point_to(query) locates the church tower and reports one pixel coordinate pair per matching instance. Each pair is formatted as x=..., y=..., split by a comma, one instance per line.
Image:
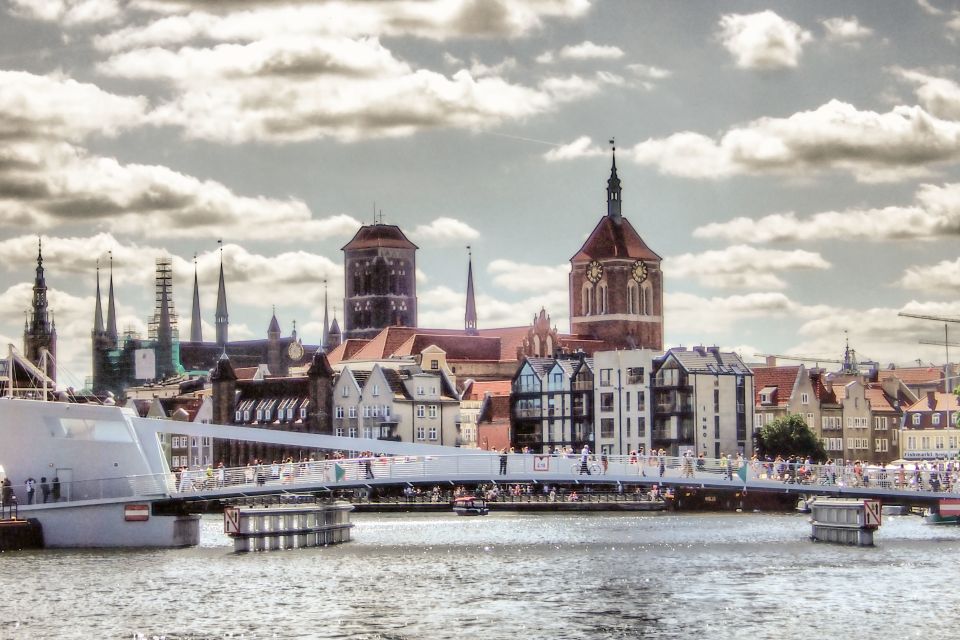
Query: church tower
x=222, y=318
x=39, y=332
x=470, y=316
x=380, y=282
x=616, y=286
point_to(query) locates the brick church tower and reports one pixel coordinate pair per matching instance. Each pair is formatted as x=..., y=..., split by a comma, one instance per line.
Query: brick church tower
x=380, y=281
x=39, y=330
x=616, y=286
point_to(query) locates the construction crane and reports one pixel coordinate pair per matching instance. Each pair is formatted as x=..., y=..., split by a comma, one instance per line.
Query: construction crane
x=946, y=344
x=849, y=362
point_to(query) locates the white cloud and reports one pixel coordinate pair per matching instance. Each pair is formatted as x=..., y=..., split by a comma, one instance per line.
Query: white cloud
x=939, y=96
x=442, y=307
x=928, y=7
x=742, y=266
x=68, y=12
x=701, y=316
x=762, y=40
x=582, y=147
x=589, y=51
x=444, y=230
x=942, y=277
x=848, y=31
x=517, y=276
x=649, y=72
x=58, y=107
x=935, y=215
x=898, y=145
x=434, y=19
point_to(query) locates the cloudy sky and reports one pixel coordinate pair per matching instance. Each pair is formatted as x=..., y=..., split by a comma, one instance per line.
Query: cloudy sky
x=796, y=164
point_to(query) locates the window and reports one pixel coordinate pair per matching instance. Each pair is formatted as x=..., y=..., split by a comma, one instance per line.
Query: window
x=627, y=399
x=376, y=390
x=345, y=391
x=880, y=423
x=421, y=412
x=605, y=377
x=434, y=364
x=386, y=411
x=353, y=411
x=303, y=412
x=432, y=433
x=635, y=375
x=246, y=415
x=916, y=419
x=366, y=411
x=809, y=419
x=259, y=414
x=804, y=398
x=641, y=426
x=628, y=428
x=419, y=391
x=641, y=401
x=375, y=411
x=433, y=411
x=606, y=427
x=936, y=419
x=367, y=432
x=758, y=420
x=352, y=432
x=606, y=402
x=340, y=431
x=421, y=433
x=238, y=416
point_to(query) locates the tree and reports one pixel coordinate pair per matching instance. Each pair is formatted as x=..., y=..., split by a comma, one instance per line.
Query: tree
x=789, y=436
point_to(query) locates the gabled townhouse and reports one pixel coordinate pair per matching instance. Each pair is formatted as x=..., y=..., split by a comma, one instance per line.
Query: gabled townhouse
x=852, y=397
x=472, y=399
x=552, y=403
x=783, y=391
x=703, y=403
x=929, y=428
x=396, y=401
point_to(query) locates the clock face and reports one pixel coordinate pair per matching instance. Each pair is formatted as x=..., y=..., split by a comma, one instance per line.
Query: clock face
x=639, y=271
x=594, y=271
x=295, y=351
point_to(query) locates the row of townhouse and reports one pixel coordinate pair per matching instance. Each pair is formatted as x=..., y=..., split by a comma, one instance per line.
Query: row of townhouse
x=694, y=400
x=930, y=427
x=856, y=419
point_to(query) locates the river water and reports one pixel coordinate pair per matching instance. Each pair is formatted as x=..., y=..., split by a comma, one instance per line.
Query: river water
x=506, y=575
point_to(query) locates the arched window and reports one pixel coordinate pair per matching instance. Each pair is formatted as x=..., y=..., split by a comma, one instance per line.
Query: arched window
x=586, y=299
x=601, y=299
x=647, y=293
x=549, y=353
x=633, y=298
x=536, y=346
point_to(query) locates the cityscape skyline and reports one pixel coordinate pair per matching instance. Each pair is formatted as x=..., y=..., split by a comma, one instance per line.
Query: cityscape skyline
x=796, y=166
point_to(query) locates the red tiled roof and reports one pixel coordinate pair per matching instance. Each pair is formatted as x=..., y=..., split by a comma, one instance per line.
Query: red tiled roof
x=942, y=402
x=245, y=373
x=611, y=240
x=379, y=235
x=457, y=348
x=494, y=387
x=346, y=350
x=783, y=378
x=914, y=375
x=879, y=401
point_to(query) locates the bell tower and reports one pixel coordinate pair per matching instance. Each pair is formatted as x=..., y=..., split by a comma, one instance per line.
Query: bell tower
x=616, y=286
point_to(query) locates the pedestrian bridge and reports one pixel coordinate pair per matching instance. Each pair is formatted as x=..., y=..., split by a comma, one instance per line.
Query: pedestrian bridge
x=399, y=464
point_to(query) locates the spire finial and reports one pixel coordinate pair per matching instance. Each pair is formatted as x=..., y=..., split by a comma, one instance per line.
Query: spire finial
x=470, y=317
x=613, y=187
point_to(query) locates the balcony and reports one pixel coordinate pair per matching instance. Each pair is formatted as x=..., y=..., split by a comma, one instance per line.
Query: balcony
x=673, y=407
x=536, y=412
x=583, y=386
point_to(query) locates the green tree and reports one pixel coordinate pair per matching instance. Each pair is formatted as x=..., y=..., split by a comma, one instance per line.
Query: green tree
x=789, y=436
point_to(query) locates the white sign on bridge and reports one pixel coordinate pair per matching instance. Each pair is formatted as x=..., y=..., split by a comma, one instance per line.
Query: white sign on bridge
x=231, y=520
x=871, y=513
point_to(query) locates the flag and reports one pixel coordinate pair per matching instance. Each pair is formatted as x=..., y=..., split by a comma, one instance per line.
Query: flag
x=742, y=472
x=338, y=472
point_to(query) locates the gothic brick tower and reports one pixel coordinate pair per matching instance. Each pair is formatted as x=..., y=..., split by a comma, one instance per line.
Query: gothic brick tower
x=39, y=331
x=616, y=286
x=380, y=282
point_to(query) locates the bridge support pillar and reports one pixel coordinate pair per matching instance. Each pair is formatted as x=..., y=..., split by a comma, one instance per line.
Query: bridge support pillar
x=845, y=521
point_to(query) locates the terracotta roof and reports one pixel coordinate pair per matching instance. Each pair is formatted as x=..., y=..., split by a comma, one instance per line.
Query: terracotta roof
x=346, y=350
x=478, y=390
x=379, y=235
x=246, y=373
x=780, y=378
x=879, y=400
x=495, y=409
x=941, y=402
x=457, y=348
x=914, y=375
x=611, y=240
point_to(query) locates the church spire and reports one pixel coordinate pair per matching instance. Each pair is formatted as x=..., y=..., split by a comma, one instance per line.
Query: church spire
x=326, y=326
x=222, y=316
x=111, y=306
x=196, y=331
x=470, y=318
x=613, y=189
x=98, y=310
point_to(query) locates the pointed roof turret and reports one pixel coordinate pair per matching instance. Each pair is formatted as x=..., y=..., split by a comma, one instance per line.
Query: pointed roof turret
x=470, y=318
x=613, y=189
x=111, y=306
x=274, y=328
x=196, y=330
x=223, y=370
x=98, y=310
x=222, y=318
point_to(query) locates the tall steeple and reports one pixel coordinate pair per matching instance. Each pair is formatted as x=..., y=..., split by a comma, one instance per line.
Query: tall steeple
x=111, y=308
x=38, y=333
x=98, y=310
x=613, y=189
x=196, y=331
x=222, y=318
x=470, y=318
x=326, y=325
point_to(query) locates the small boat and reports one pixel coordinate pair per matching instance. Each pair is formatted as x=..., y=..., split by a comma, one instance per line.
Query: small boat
x=470, y=506
x=947, y=512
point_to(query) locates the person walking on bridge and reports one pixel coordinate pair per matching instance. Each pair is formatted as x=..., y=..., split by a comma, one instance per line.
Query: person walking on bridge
x=584, y=459
x=503, y=461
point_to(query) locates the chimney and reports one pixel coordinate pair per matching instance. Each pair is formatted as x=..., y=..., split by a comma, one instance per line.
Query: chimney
x=932, y=400
x=771, y=361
